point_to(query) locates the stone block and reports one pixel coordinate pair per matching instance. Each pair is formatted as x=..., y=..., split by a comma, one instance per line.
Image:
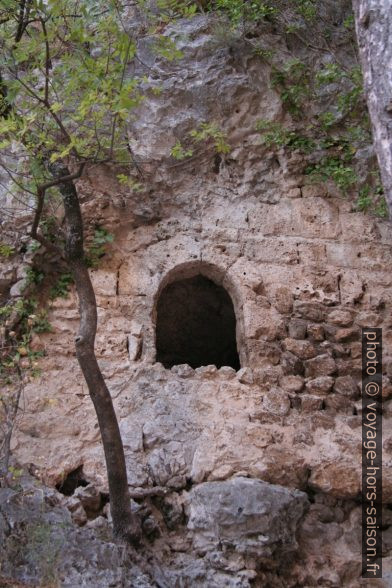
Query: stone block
x=291, y=364
x=227, y=372
x=314, y=217
x=271, y=249
x=315, y=332
x=346, y=334
x=311, y=254
x=341, y=317
x=314, y=191
x=301, y=348
x=245, y=375
x=265, y=324
x=294, y=193
x=276, y=401
x=320, y=386
x=337, y=478
x=104, y=282
x=346, y=386
x=321, y=365
x=250, y=516
x=206, y=371
x=89, y=497
x=264, y=352
x=352, y=288
x=134, y=347
x=297, y=329
x=283, y=300
x=311, y=403
x=336, y=403
x=313, y=311
x=183, y=370
x=293, y=384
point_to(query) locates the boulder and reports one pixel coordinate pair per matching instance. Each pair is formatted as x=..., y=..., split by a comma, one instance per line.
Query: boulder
x=247, y=515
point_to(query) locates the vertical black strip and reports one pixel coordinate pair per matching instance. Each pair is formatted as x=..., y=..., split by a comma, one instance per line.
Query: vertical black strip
x=371, y=452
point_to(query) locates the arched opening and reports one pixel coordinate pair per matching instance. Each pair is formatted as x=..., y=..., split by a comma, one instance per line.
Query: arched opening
x=196, y=324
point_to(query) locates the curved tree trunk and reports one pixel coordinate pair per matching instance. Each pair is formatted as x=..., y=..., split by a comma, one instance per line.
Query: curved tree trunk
x=373, y=23
x=124, y=524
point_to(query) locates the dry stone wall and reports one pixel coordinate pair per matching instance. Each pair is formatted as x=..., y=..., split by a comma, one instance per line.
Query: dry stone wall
x=305, y=272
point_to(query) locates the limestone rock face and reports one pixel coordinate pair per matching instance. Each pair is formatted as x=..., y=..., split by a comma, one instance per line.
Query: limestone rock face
x=40, y=544
x=250, y=517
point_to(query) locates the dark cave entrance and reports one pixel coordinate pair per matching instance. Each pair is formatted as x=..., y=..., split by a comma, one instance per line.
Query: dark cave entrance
x=196, y=324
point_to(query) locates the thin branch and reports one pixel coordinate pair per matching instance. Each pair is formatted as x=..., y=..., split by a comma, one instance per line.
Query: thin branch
x=121, y=85
x=48, y=63
x=135, y=163
x=15, y=181
x=38, y=211
x=21, y=21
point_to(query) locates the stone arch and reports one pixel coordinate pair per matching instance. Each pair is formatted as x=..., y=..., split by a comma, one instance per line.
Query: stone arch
x=211, y=288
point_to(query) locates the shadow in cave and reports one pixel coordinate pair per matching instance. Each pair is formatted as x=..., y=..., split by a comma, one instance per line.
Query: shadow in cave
x=196, y=325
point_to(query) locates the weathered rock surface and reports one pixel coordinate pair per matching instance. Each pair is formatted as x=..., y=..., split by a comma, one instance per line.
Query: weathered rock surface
x=246, y=516
x=40, y=545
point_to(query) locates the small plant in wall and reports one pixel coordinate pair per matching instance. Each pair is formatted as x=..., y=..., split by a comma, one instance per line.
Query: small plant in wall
x=206, y=134
x=97, y=247
x=61, y=287
x=6, y=250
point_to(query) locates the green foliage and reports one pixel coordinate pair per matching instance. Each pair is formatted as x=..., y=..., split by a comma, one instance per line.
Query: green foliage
x=49, y=228
x=39, y=322
x=381, y=208
x=61, y=287
x=78, y=108
x=19, y=356
x=333, y=168
x=364, y=201
x=172, y=9
x=166, y=47
x=5, y=311
x=348, y=101
x=6, y=250
x=263, y=52
x=349, y=22
x=178, y=151
x=98, y=245
x=329, y=74
x=276, y=135
x=306, y=8
x=34, y=276
x=293, y=84
x=326, y=120
x=371, y=200
x=33, y=246
x=130, y=182
x=241, y=12
x=16, y=474
x=207, y=131
x=300, y=84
